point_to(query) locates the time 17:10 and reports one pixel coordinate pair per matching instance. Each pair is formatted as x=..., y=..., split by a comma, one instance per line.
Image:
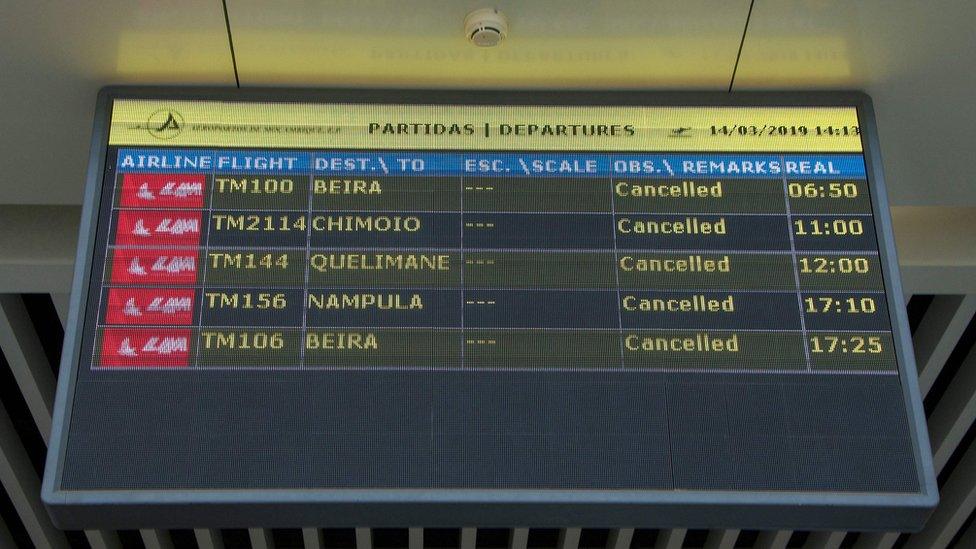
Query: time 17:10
x=850, y=305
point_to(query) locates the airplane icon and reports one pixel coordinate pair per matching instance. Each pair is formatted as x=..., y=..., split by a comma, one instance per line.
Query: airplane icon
x=125, y=349
x=140, y=229
x=135, y=268
x=144, y=192
x=131, y=309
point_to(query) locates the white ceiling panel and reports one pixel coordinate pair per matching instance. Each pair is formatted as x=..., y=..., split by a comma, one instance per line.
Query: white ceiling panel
x=551, y=43
x=916, y=59
x=54, y=56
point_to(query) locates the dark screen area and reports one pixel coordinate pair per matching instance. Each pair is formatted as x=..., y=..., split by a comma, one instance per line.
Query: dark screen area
x=493, y=430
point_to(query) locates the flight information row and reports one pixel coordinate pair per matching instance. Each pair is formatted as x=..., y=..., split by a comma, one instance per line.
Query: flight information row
x=495, y=230
x=377, y=348
x=469, y=308
x=519, y=194
x=298, y=268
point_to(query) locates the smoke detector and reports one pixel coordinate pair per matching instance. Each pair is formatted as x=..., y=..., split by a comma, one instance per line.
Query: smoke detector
x=486, y=27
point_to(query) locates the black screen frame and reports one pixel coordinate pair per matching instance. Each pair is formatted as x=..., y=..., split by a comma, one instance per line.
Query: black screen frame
x=473, y=507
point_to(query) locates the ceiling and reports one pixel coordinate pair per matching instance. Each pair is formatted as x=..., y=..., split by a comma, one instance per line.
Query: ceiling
x=915, y=60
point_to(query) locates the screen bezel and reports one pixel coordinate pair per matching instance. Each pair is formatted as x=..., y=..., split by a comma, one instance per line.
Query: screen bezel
x=481, y=507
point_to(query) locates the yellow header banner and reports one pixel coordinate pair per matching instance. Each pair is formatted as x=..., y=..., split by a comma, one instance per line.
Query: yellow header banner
x=483, y=127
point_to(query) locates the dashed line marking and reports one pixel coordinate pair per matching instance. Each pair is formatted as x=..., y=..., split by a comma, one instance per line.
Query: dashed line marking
x=480, y=225
x=479, y=188
x=479, y=302
x=480, y=341
x=479, y=261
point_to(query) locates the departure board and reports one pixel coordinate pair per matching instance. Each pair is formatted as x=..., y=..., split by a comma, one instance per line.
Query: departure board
x=414, y=308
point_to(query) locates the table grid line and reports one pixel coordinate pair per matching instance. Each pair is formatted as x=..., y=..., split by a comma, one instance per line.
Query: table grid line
x=308, y=263
x=96, y=353
x=796, y=272
x=461, y=264
x=613, y=370
x=308, y=211
x=490, y=289
x=203, y=282
x=489, y=250
x=616, y=272
x=495, y=328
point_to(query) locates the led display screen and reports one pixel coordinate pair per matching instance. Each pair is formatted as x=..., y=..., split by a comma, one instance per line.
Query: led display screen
x=464, y=309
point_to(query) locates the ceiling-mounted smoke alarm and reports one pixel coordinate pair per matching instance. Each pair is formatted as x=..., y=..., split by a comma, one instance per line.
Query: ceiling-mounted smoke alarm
x=486, y=27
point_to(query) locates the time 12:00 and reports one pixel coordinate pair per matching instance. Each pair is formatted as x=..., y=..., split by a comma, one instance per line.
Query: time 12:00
x=844, y=265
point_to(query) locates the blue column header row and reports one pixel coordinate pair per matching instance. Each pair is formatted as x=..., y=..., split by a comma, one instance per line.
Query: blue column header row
x=376, y=163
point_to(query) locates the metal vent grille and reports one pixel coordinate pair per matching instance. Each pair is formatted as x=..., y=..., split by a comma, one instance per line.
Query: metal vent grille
x=944, y=331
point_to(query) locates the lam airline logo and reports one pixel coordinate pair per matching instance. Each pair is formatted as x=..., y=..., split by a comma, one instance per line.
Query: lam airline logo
x=150, y=266
x=145, y=348
x=158, y=227
x=165, y=124
x=163, y=190
x=161, y=306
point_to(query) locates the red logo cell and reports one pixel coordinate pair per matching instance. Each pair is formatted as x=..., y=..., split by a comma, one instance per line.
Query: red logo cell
x=145, y=348
x=154, y=266
x=171, y=228
x=165, y=306
x=140, y=190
